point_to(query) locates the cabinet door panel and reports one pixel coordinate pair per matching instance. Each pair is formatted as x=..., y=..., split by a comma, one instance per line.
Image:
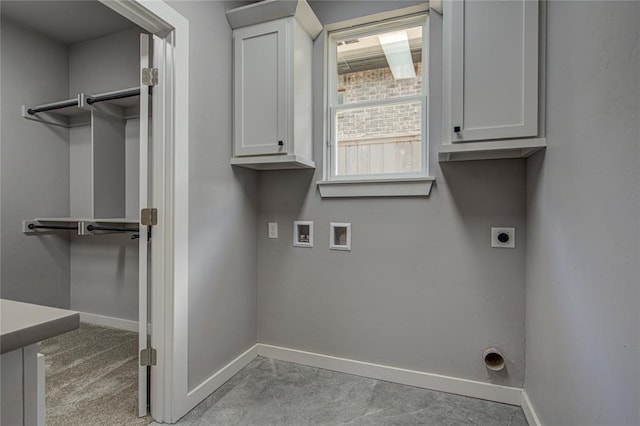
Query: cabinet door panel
x=260, y=89
x=494, y=69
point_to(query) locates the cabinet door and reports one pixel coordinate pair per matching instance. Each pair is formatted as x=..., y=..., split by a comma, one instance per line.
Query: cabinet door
x=493, y=69
x=260, y=92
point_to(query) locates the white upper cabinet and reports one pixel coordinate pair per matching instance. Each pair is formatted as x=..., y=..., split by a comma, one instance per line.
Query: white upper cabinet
x=494, y=69
x=491, y=78
x=260, y=111
x=272, y=46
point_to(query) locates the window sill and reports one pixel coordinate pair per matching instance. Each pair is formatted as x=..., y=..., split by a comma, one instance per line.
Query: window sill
x=410, y=187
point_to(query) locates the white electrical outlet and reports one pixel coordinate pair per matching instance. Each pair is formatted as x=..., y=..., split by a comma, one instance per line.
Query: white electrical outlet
x=503, y=237
x=273, y=229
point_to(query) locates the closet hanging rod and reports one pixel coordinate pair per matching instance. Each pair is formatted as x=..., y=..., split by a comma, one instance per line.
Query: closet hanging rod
x=52, y=106
x=92, y=228
x=112, y=96
x=34, y=226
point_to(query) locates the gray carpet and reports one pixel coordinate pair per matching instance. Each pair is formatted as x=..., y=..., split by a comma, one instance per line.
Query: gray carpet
x=92, y=378
x=270, y=392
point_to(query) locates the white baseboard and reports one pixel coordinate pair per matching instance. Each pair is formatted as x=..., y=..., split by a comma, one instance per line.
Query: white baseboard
x=529, y=411
x=488, y=391
x=207, y=387
x=112, y=322
x=455, y=385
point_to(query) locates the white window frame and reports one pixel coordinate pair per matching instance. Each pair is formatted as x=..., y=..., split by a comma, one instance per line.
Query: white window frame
x=386, y=184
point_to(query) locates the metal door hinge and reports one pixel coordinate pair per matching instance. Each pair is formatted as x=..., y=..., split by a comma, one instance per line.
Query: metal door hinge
x=148, y=357
x=149, y=217
x=149, y=76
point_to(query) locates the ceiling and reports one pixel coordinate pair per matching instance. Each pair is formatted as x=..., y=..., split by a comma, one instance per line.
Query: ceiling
x=68, y=22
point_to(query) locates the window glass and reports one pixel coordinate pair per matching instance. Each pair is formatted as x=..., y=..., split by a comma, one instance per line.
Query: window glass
x=379, y=139
x=377, y=106
x=380, y=66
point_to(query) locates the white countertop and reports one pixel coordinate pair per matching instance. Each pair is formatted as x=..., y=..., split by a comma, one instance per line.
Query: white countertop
x=22, y=324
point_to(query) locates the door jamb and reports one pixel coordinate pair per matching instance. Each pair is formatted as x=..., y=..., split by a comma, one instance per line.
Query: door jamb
x=169, y=287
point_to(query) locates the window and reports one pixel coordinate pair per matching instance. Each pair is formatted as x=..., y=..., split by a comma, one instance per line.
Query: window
x=377, y=103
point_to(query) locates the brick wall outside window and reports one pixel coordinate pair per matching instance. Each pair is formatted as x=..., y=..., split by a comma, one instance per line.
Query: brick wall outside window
x=383, y=139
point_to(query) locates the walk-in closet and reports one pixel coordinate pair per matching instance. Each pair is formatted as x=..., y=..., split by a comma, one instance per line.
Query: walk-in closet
x=74, y=179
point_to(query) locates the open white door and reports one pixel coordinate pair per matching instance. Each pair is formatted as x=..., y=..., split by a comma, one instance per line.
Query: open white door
x=167, y=188
x=143, y=265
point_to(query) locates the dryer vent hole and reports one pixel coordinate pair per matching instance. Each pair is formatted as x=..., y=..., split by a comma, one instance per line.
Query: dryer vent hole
x=494, y=360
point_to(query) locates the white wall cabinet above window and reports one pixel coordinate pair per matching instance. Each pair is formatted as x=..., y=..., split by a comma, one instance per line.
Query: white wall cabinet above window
x=491, y=75
x=272, y=46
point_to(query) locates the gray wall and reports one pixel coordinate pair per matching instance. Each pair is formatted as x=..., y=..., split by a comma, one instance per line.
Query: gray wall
x=421, y=288
x=104, y=269
x=222, y=218
x=583, y=228
x=34, y=169
x=104, y=275
x=105, y=64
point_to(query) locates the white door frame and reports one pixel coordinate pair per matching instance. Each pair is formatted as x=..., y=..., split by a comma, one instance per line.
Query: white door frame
x=170, y=176
x=143, y=243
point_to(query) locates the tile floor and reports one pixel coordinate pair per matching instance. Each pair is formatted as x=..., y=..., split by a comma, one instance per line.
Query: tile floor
x=270, y=392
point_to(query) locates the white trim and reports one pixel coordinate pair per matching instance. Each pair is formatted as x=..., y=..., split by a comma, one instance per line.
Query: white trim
x=170, y=276
x=487, y=391
x=178, y=284
x=138, y=13
x=365, y=26
x=408, y=99
x=296, y=239
x=529, y=411
x=207, y=387
x=491, y=150
x=105, y=321
x=332, y=236
x=382, y=16
x=436, y=6
x=273, y=162
x=437, y=382
x=268, y=11
x=143, y=243
x=405, y=187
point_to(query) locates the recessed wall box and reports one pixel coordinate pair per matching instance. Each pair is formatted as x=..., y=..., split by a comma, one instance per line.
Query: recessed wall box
x=340, y=236
x=503, y=237
x=303, y=233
